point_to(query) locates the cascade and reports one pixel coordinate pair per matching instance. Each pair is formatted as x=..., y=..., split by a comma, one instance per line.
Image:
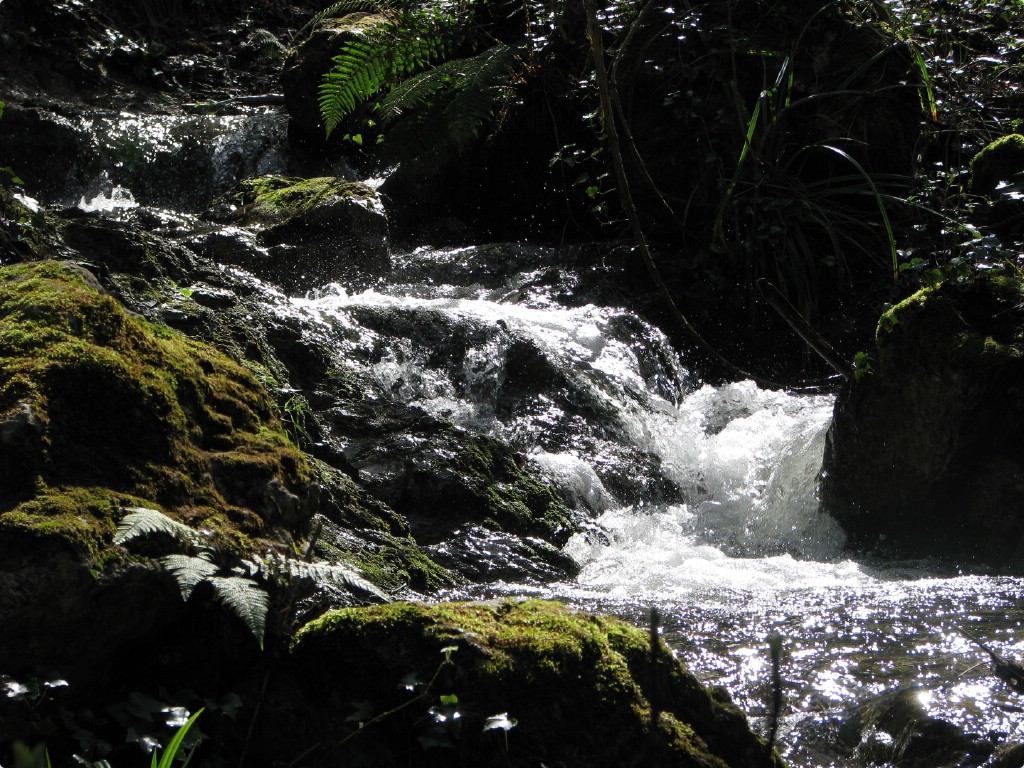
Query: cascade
x=701, y=498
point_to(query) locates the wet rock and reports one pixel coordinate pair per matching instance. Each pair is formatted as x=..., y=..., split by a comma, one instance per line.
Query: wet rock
x=311, y=231
x=1000, y=161
x=564, y=688
x=924, y=454
x=485, y=556
x=441, y=477
x=68, y=164
x=894, y=728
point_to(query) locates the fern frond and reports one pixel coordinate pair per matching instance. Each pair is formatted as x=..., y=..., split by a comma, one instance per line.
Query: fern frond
x=275, y=566
x=246, y=599
x=141, y=522
x=444, y=109
x=377, y=59
x=189, y=571
x=417, y=90
x=483, y=87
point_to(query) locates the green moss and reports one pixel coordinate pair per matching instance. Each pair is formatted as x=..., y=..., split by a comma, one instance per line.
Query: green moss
x=578, y=684
x=512, y=498
x=1001, y=160
x=129, y=407
x=277, y=197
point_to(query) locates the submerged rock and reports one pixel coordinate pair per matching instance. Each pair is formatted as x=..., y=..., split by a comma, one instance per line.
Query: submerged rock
x=503, y=684
x=924, y=456
x=894, y=728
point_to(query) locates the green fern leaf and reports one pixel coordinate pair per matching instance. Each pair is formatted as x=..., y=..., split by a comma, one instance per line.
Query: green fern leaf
x=381, y=57
x=442, y=110
x=483, y=87
x=246, y=599
x=141, y=522
x=189, y=571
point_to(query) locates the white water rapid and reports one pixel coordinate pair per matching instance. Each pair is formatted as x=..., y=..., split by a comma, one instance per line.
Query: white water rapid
x=703, y=500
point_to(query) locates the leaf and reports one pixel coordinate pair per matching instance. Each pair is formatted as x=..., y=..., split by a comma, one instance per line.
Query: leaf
x=141, y=522
x=171, y=753
x=246, y=599
x=189, y=571
x=501, y=722
x=338, y=574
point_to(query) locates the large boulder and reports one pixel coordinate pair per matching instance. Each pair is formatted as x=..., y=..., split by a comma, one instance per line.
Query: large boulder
x=925, y=455
x=102, y=413
x=310, y=232
x=503, y=684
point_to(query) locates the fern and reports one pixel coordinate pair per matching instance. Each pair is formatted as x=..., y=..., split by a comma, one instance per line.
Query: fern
x=237, y=589
x=276, y=567
x=189, y=571
x=447, y=107
x=141, y=522
x=335, y=10
x=246, y=599
x=377, y=59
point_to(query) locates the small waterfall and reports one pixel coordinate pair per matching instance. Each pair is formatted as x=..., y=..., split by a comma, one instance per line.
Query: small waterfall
x=603, y=406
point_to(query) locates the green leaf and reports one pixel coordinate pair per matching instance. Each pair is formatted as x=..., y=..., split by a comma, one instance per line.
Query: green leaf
x=171, y=753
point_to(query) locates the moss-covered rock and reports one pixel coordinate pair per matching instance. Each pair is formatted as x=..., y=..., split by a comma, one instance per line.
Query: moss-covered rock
x=441, y=477
x=580, y=688
x=92, y=397
x=99, y=412
x=926, y=452
x=314, y=231
x=1002, y=160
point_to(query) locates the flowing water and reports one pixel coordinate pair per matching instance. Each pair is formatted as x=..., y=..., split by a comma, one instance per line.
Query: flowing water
x=701, y=499
x=738, y=552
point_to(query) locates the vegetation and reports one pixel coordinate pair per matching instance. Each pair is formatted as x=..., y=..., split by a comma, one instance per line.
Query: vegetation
x=239, y=584
x=837, y=171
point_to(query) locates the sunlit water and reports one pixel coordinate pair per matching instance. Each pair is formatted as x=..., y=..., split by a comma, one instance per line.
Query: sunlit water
x=743, y=553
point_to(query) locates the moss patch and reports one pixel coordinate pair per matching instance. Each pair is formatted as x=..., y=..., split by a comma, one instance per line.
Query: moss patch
x=578, y=684
x=91, y=397
x=1001, y=160
x=276, y=197
x=512, y=499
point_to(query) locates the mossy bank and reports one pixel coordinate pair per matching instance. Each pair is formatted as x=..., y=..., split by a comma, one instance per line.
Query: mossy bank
x=416, y=684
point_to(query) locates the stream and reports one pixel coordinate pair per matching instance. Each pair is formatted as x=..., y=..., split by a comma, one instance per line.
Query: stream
x=702, y=499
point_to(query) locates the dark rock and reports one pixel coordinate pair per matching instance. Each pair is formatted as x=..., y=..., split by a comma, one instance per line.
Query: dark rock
x=894, y=728
x=485, y=556
x=924, y=456
x=311, y=232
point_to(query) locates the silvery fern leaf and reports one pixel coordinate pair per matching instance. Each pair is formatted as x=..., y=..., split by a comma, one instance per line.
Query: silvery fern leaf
x=189, y=571
x=246, y=599
x=276, y=567
x=141, y=522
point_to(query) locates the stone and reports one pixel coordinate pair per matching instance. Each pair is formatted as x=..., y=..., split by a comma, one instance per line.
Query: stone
x=395, y=684
x=310, y=232
x=924, y=456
